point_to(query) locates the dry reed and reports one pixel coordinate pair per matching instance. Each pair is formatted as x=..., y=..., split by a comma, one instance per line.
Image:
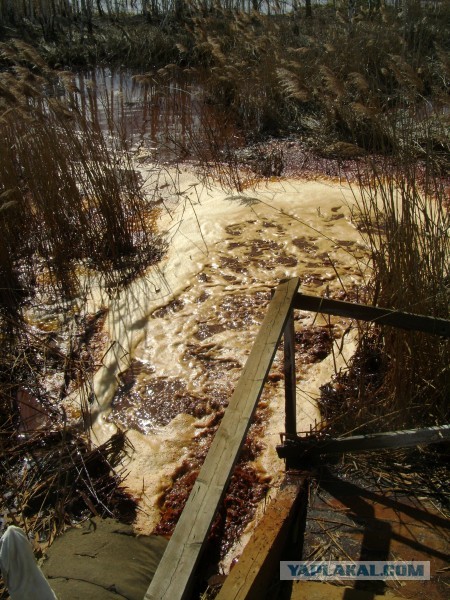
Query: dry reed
x=71, y=205
x=70, y=197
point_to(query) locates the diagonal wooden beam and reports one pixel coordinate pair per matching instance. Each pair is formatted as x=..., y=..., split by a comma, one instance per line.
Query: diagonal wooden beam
x=174, y=576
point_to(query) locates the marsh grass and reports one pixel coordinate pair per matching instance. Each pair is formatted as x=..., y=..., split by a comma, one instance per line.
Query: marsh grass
x=377, y=81
x=332, y=78
x=51, y=474
x=72, y=211
x=406, y=223
x=400, y=379
x=70, y=198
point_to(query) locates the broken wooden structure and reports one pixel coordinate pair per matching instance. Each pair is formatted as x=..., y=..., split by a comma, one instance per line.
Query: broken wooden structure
x=174, y=577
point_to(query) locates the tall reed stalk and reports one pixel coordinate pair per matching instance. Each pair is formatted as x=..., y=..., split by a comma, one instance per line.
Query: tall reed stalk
x=70, y=198
x=71, y=206
x=404, y=217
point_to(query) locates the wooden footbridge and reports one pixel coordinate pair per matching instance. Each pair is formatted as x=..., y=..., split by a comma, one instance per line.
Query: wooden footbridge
x=259, y=562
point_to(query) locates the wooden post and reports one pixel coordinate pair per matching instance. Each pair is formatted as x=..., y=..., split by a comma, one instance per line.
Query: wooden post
x=289, y=378
x=174, y=576
x=260, y=560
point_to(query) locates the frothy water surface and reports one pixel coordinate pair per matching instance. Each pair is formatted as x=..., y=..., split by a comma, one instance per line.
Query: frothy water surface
x=185, y=331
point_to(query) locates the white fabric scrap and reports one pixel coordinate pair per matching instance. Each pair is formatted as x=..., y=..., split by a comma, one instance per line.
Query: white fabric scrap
x=23, y=578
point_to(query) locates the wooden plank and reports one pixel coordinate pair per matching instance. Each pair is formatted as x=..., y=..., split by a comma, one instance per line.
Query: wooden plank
x=289, y=378
x=381, y=316
x=173, y=578
x=305, y=448
x=260, y=560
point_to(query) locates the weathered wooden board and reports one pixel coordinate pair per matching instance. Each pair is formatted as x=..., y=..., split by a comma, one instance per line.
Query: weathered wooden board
x=175, y=573
x=260, y=561
x=381, y=316
x=362, y=443
x=289, y=378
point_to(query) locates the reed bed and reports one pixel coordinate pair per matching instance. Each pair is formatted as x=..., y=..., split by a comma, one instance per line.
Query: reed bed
x=70, y=197
x=370, y=83
x=72, y=211
x=335, y=78
x=406, y=223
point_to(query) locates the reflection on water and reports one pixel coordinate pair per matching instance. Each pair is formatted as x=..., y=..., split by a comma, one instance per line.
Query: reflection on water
x=161, y=118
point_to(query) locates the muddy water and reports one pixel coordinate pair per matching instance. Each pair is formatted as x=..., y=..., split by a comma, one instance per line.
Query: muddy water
x=181, y=335
x=162, y=116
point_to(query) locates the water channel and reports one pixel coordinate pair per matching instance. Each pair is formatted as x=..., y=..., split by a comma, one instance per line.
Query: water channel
x=163, y=116
x=179, y=336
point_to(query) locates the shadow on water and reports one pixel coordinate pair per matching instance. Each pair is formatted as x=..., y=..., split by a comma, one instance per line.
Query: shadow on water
x=162, y=118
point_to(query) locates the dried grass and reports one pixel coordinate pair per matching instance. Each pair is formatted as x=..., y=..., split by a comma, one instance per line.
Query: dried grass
x=70, y=197
x=70, y=206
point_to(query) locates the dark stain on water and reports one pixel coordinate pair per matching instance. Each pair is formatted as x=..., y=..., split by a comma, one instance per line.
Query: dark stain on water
x=305, y=244
x=241, y=310
x=287, y=261
x=171, y=308
x=155, y=403
x=312, y=344
x=207, y=330
x=233, y=229
x=260, y=247
x=272, y=225
x=203, y=297
x=247, y=486
x=233, y=264
x=205, y=356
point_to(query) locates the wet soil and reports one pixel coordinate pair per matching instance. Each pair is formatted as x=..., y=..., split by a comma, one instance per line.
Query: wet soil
x=292, y=157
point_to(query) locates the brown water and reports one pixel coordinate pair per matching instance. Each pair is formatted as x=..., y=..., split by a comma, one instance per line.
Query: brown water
x=185, y=331
x=164, y=117
x=179, y=337
x=176, y=340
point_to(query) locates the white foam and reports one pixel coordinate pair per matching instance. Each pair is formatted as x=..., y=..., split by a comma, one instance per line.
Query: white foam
x=196, y=224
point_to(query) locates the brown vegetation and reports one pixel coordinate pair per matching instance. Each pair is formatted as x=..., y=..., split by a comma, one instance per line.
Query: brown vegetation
x=371, y=86
x=66, y=200
x=67, y=214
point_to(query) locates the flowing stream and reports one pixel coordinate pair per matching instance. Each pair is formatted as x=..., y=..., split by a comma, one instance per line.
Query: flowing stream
x=179, y=336
x=182, y=333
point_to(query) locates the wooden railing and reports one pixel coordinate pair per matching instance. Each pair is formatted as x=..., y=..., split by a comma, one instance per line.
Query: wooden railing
x=174, y=576
x=380, y=316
